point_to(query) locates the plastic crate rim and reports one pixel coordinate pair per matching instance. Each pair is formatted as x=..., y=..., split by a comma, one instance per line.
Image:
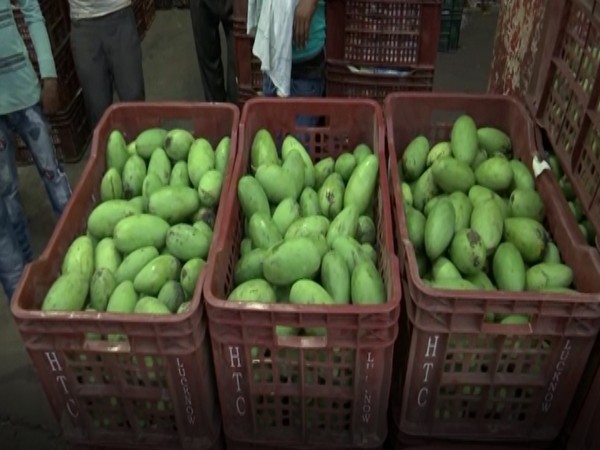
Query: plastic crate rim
x=341, y=101
x=183, y=105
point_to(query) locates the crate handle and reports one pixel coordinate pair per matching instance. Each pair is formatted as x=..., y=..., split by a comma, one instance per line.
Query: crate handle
x=506, y=329
x=305, y=342
x=105, y=346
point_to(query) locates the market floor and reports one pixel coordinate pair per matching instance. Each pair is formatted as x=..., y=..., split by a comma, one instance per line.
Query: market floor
x=171, y=73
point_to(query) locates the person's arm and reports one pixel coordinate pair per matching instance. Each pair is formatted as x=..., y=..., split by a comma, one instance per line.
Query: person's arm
x=304, y=13
x=39, y=36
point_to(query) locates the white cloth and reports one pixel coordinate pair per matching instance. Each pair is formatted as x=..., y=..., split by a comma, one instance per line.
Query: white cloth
x=271, y=22
x=89, y=9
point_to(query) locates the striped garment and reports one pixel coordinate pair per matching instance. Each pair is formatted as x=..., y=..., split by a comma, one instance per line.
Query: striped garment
x=19, y=84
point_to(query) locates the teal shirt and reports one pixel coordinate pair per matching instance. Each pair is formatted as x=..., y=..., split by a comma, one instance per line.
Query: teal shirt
x=19, y=84
x=316, y=39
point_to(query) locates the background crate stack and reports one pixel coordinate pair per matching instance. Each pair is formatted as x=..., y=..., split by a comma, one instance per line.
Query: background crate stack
x=381, y=46
x=70, y=126
x=250, y=77
x=565, y=100
x=452, y=12
x=460, y=377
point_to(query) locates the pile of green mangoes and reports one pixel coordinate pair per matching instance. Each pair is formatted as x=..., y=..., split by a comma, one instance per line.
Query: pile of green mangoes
x=474, y=217
x=148, y=238
x=586, y=227
x=309, y=229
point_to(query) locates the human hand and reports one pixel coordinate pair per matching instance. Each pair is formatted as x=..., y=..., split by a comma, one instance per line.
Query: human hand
x=304, y=13
x=50, y=99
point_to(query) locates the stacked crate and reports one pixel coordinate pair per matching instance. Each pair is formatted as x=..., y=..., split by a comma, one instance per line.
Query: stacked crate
x=145, y=11
x=70, y=125
x=249, y=75
x=452, y=12
x=381, y=46
x=564, y=97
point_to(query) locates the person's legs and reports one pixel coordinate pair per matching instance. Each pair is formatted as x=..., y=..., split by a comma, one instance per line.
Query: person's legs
x=9, y=191
x=227, y=21
x=269, y=89
x=92, y=67
x=307, y=87
x=11, y=257
x=124, y=52
x=31, y=125
x=205, y=24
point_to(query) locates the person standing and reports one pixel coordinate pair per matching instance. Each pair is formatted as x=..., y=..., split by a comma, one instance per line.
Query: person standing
x=304, y=31
x=207, y=15
x=23, y=102
x=308, y=52
x=107, y=53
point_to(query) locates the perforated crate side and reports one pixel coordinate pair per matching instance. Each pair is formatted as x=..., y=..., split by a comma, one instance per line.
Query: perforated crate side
x=155, y=387
x=304, y=391
x=465, y=378
x=565, y=97
x=383, y=33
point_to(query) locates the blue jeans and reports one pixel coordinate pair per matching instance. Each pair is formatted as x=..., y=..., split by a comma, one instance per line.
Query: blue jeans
x=33, y=129
x=12, y=261
x=299, y=87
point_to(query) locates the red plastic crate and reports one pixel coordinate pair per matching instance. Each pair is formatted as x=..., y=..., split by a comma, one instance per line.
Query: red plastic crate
x=87, y=381
x=565, y=95
x=233, y=445
x=354, y=359
x=68, y=82
x=383, y=33
x=240, y=11
x=586, y=433
x=248, y=67
x=463, y=378
x=149, y=12
x=218, y=445
x=342, y=82
x=71, y=133
x=396, y=441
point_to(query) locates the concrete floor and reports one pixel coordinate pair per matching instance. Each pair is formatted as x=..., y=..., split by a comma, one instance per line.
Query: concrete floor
x=171, y=73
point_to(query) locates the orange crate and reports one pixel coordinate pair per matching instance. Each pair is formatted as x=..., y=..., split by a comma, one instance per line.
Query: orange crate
x=565, y=97
x=460, y=377
x=354, y=360
x=108, y=394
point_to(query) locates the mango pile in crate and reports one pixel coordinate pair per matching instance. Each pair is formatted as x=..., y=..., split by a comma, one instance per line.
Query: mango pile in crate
x=310, y=229
x=148, y=238
x=474, y=217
